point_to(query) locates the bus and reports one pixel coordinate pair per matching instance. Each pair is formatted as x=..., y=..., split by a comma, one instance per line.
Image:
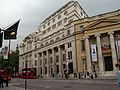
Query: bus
x=31, y=73
x=2, y=72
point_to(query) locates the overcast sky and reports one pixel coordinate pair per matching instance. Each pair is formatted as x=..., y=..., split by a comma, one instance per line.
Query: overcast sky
x=33, y=12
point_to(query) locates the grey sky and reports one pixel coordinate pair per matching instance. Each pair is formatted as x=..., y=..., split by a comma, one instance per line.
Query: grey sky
x=33, y=12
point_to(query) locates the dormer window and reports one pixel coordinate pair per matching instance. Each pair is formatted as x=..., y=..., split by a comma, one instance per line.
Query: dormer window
x=43, y=26
x=53, y=20
x=59, y=16
x=66, y=12
x=48, y=23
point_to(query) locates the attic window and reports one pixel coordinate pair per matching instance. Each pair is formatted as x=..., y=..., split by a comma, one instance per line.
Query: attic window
x=66, y=12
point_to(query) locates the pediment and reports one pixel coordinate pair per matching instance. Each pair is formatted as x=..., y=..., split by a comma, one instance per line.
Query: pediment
x=102, y=23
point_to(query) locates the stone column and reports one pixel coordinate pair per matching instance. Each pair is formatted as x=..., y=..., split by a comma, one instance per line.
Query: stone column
x=88, y=58
x=54, y=66
x=101, y=68
x=60, y=60
x=43, y=64
x=113, y=51
x=48, y=63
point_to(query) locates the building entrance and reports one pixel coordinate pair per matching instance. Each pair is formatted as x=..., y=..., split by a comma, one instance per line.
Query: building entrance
x=108, y=63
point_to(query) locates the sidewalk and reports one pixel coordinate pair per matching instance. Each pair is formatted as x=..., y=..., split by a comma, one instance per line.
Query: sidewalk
x=11, y=88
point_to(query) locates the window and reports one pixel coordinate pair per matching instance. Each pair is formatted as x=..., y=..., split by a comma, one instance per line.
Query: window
x=48, y=23
x=35, y=55
x=52, y=41
x=51, y=60
x=58, y=38
x=45, y=61
x=63, y=35
x=70, y=55
x=70, y=20
x=43, y=26
x=65, y=20
x=53, y=20
x=46, y=43
x=35, y=46
x=49, y=29
x=81, y=27
x=68, y=32
x=66, y=12
x=44, y=31
x=59, y=23
x=40, y=62
x=57, y=58
x=83, y=45
x=69, y=45
x=54, y=26
x=64, y=57
x=59, y=16
x=35, y=62
x=64, y=66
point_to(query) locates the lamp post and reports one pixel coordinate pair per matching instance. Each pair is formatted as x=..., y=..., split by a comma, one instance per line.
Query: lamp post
x=26, y=61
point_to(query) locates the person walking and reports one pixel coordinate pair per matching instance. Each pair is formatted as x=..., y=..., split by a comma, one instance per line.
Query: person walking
x=1, y=81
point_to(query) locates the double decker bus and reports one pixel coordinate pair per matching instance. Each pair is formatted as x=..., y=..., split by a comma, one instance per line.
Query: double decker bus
x=2, y=72
x=30, y=73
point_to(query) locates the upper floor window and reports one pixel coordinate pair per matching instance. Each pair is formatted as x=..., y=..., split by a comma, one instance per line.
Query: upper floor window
x=65, y=20
x=48, y=23
x=58, y=38
x=70, y=55
x=59, y=16
x=40, y=62
x=82, y=44
x=81, y=27
x=53, y=20
x=70, y=20
x=54, y=26
x=66, y=12
x=35, y=55
x=44, y=31
x=51, y=41
x=49, y=29
x=45, y=61
x=35, y=62
x=68, y=32
x=35, y=46
x=57, y=58
x=43, y=26
x=69, y=45
x=46, y=43
x=59, y=23
x=63, y=35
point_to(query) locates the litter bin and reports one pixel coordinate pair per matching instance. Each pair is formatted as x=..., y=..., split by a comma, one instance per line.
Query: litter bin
x=119, y=78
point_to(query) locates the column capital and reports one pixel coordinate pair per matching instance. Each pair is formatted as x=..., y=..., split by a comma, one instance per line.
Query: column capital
x=97, y=35
x=111, y=32
x=86, y=36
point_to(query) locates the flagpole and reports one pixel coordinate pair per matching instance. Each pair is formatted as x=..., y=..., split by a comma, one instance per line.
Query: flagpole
x=9, y=53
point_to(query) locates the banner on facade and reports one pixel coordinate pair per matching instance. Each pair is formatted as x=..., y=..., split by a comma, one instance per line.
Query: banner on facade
x=6, y=53
x=94, y=52
x=118, y=48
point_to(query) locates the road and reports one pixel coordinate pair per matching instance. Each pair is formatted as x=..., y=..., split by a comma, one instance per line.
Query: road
x=38, y=84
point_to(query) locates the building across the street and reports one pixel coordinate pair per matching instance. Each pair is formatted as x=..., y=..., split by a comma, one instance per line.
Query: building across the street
x=69, y=41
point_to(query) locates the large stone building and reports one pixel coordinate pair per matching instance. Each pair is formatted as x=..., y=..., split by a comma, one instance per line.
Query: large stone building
x=52, y=48
x=70, y=41
x=98, y=43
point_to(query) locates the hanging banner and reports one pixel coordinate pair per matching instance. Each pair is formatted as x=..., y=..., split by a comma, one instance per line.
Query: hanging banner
x=6, y=53
x=94, y=52
x=118, y=48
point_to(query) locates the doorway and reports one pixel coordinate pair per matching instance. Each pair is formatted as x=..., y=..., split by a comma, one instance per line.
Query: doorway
x=108, y=63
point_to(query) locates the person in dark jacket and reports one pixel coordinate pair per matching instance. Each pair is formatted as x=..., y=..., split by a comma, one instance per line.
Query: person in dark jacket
x=1, y=81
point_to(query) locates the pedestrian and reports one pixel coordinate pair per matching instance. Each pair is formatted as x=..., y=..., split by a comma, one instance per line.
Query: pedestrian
x=6, y=81
x=1, y=81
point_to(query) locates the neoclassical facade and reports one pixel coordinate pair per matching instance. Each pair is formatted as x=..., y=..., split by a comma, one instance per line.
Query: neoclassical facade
x=98, y=43
x=51, y=49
